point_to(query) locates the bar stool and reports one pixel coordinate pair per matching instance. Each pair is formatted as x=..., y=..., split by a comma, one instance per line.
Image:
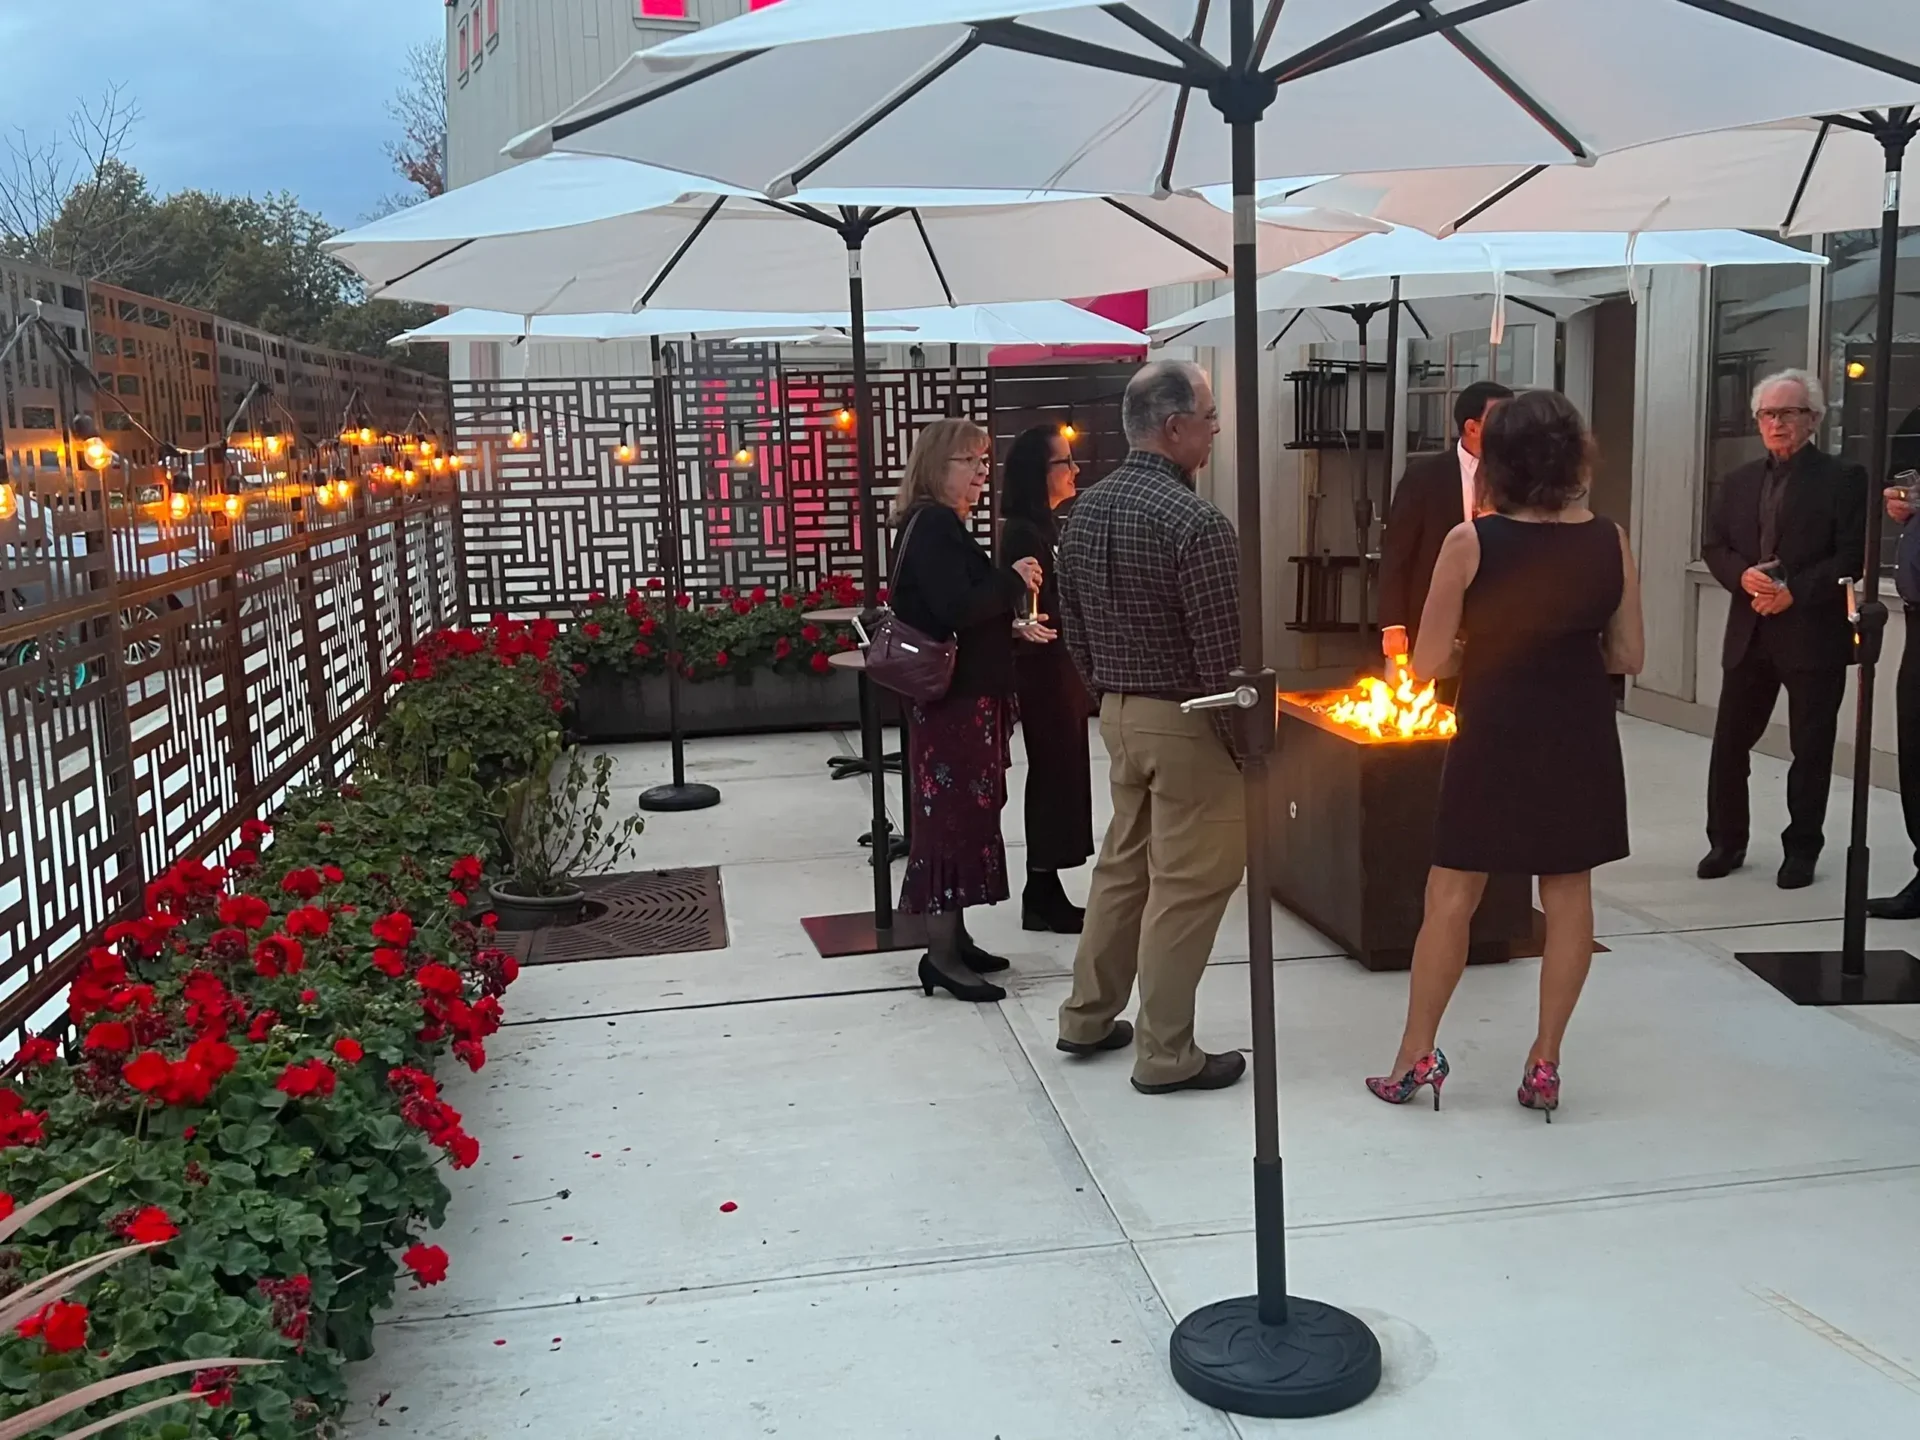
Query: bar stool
x=895, y=761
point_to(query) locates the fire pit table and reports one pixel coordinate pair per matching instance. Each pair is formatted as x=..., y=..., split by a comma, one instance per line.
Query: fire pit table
x=1356, y=785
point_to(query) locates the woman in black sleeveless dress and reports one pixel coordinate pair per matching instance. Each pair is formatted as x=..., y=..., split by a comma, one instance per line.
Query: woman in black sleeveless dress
x=1548, y=602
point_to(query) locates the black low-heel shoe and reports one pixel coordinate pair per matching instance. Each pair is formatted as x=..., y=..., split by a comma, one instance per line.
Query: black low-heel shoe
x=931, y=979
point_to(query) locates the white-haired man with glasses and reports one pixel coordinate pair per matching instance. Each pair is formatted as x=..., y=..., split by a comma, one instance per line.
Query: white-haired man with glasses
x=1782, y=533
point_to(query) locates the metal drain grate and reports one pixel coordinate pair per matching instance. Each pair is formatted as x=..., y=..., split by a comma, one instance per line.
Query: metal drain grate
x=651, y=912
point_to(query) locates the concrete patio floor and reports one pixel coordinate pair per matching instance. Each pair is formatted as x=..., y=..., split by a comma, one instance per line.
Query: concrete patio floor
x=946, y=1229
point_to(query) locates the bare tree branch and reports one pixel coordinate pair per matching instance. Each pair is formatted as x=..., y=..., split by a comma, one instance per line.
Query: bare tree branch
x=419, y=107
x=69, y=202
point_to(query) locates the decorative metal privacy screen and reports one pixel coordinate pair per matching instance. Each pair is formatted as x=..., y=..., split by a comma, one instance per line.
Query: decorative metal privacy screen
x=763, y=472
x=172, y=663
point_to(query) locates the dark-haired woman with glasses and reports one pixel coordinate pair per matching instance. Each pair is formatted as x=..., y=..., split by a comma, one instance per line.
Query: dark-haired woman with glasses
x=1039, y=477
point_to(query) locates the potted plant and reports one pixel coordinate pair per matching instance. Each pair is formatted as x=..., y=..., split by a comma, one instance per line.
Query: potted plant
x=557, y=831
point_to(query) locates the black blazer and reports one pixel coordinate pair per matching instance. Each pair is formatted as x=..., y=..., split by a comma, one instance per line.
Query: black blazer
x=1426, y=505
x=1021, y=539
x=1823, y=522
x=944, y=585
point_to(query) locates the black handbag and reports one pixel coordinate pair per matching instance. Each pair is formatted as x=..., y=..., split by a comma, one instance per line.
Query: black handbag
x=902, y=659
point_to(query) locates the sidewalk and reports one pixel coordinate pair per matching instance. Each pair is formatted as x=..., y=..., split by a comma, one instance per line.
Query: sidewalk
x=946, y=1229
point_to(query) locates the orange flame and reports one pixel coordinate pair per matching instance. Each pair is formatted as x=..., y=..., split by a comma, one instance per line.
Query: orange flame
x=1391, y=709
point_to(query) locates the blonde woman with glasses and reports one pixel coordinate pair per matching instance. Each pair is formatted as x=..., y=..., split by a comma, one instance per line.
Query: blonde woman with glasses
x=947, y=587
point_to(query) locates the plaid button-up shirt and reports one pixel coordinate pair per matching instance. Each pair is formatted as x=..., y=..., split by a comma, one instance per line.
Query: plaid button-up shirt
x=1149, y=578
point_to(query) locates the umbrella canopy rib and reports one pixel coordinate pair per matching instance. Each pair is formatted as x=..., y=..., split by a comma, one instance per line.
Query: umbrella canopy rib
x=1501, y=194
x=680, y=254
x=1813, y=39
x=880, y=113
x=1806, y=174
x=1165, y=234
x=634, y=102
x=1012, y=35
x=939, y=271
x=1449, y=30
x=1185, y=97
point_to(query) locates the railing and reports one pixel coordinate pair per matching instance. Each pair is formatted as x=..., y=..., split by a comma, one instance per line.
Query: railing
x=171, y=664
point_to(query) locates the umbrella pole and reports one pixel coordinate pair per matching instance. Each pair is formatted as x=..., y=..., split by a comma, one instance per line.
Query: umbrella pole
x=679, y=795
x=1857, y=976
x=1389, y=435
x=1268, y=1354
x=871, y=741
x=1363, y=499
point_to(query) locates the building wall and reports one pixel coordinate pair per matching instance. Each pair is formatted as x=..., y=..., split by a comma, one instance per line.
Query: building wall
x=156, y=361
x=29, y=376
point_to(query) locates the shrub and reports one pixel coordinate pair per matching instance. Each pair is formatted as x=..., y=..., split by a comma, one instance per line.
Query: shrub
x=474, y=702
x=733, y=636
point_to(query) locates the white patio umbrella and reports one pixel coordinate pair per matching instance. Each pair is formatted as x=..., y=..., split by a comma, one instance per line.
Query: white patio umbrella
x=1066, y=94
x=571, y=233
x=1032, y=322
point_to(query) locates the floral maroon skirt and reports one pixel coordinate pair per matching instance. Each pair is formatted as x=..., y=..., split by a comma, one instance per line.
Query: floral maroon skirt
x=957, y=750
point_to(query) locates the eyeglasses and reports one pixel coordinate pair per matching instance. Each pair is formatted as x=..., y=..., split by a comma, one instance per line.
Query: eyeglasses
x=977, y=462
x=1064, y=460
x=1780, y=414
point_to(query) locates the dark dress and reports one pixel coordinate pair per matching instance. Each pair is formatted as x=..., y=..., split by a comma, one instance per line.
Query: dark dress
x=1533, y=783
x=1054, y=709
x=945, y=585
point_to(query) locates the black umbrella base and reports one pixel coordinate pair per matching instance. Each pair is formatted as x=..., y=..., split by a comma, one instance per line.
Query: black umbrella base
x=679, y=797
x=1321, y=1361
x=897, y=845
x=1815, y=977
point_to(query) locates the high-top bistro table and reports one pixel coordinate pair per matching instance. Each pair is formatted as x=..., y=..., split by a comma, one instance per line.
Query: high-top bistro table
x=863, y=764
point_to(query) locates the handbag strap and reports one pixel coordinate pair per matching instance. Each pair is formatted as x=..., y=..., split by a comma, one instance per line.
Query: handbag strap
x=900, y=550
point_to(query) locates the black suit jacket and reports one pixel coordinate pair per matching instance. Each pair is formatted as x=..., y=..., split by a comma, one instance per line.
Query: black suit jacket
x=1823, y=522
x=1426, y=505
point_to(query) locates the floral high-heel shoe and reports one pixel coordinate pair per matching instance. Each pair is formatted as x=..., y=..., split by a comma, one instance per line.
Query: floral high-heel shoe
x=1540, y=1088
x=1430, y=1069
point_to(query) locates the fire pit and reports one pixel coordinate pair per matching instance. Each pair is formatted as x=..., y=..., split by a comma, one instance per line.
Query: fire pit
x=1356, y=783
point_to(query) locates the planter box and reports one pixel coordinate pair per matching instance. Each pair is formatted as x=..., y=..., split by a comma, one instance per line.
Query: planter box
x=634, y=707
x=1352, y=838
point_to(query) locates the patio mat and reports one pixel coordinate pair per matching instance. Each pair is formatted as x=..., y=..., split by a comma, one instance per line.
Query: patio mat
x=649, y=912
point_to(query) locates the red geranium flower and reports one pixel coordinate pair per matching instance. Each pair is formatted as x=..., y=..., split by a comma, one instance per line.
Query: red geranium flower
x=279, y=955
x=19, y=1125
x=349, y=1050
x=394, y=929
x=726, y=592
x=656, y=583
x=427, y=1262
x=820, y=664
x=759, y=595
x=305, y=883
x=640, y=647
x=590, y=630
x=262, y=1026
x=439, y=980
x=462, y=1150
x=788, y=602
x=309, y=997
x=249, y=912
x=149, y=1226
x=62, y=1325
x=743, y=607
x=466, y=870
x=215, y=1386
x=109, y=1038
x=147, y=1072
x=309, y=920
x=252, y=832
x=332, y=874
x=308, y=1077
x=456, y=898
x=38, y=1051
x=472, y=1052
x=810, y=634
x=212, y=1055
x=782, y=647
x=390, y=962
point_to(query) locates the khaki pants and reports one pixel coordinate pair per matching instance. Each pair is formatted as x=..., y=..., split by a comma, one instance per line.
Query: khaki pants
x=1171, y=861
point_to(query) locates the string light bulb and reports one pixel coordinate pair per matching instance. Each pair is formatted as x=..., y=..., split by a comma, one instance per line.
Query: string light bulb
x=439, y=463
x=8, y=504
x=272, y=444
x=427, y=447
x=1068, y=433
x=367, y=436
x=843, y=419
x=234, y=505
x=457, y=463
x=96, y=453
x=624, y=452
x=179, y=505
x=1856, y=369
x=518, y=440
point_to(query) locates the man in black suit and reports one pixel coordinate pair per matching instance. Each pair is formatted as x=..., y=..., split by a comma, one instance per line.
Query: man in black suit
x=1431, y=498
x=1783, y=532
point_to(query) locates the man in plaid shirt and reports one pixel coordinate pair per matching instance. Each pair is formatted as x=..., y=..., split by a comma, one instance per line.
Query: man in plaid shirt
x=1149, y=594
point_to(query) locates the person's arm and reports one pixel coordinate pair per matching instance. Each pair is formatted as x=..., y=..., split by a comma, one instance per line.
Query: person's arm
x=1716, y=544
x=1453, y=572
x=945, y=561
x=1398, y=546
x=1209, y=578
x=1624, y=644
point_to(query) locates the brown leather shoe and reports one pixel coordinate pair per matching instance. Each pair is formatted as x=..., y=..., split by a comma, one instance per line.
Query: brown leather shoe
x=1118, y=1038
x=1217, y=1072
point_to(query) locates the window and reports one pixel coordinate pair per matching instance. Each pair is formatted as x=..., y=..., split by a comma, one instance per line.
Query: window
x=761, y=4
x=465, y=44
x=195, y=424
x=199, y=359
x=116, y=420
x=663, y=9
x=99, y=306
x=226, y=365
x=129, y=346
x=493, y=22
x=36, y=417
x=105, y=345
x=129, y=385
x=129, y=310
x=71, y=297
